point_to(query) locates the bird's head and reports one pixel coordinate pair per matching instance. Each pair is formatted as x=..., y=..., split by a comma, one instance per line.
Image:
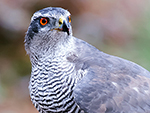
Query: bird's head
x=48, y=27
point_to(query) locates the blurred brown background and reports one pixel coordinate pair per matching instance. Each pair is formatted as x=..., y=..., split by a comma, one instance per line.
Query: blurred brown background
x=117, y=27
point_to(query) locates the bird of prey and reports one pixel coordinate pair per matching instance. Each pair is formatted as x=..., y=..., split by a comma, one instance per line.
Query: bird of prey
x=71, y=76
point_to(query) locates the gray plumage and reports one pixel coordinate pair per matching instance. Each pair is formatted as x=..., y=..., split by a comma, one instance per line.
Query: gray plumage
x=71, y=76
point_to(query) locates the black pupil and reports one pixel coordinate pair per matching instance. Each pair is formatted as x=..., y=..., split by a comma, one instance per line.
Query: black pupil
x=44, y=21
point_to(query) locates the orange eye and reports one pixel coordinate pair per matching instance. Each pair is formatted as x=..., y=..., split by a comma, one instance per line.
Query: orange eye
x=69, y=19
x=43, y=21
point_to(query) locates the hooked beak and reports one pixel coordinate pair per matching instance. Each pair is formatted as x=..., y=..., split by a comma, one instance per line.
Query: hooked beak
x=64, y=27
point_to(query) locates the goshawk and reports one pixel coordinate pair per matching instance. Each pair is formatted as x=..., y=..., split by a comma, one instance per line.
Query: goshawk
x=71, y=76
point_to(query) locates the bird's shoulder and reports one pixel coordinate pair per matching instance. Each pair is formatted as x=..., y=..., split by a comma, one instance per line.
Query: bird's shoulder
x=109, y=83
x=89, y=57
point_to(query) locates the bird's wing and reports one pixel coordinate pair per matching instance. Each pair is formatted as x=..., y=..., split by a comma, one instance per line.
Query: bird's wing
x=110, y=84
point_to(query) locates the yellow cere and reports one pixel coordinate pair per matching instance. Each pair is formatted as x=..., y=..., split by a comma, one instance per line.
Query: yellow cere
x=60, y=21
